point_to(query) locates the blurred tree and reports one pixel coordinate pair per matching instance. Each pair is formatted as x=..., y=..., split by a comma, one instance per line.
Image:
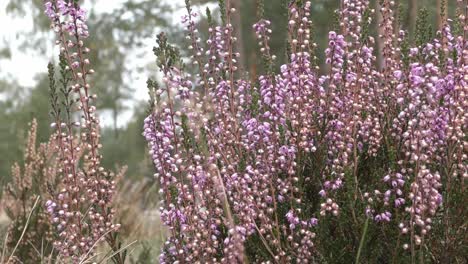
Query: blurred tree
x=16, y=110
x=114, y=33
x=5, y=53
x=127, y=147
x=9, y=140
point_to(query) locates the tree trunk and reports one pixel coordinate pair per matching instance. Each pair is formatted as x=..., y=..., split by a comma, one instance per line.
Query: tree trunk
x=442, y=16
x=380, y=35
x=412, y=15
x=115, y=114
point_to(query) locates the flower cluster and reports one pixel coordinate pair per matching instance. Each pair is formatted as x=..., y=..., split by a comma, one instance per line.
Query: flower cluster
x=81, y=210
x=236, y=159
x=76, y=17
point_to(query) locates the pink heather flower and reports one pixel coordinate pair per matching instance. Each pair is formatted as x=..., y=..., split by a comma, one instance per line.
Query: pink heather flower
x=257, y=134
x=398, y=74
x=62, y=6
x=49, y=10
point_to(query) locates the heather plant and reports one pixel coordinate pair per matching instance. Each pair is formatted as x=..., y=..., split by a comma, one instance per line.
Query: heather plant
x=30, y=234
x=361, y=160
x=81, y=210
x=62, y=206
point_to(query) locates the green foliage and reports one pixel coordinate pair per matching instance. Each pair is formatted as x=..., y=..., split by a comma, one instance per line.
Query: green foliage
x=153, y=96
x=260, y=9
x=167, y=55
x=366, y=19
x=189, y=141
x=222, y=9
x=424, y=30
x=55, y=112
x=5, y=53
x=405, y=49
x=65, y=89
x=209, y=17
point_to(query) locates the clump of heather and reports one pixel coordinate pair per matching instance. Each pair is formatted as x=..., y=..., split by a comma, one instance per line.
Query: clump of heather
x=81, y=210
x=29, y=228
x=311, y=164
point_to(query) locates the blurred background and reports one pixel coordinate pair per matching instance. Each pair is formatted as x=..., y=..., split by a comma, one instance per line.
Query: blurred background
x=122, y=34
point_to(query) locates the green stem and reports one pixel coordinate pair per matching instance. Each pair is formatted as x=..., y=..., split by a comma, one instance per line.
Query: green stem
x=366, y=224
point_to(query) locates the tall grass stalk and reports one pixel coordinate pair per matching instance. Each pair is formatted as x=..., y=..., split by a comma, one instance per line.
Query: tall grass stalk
x=361, y=243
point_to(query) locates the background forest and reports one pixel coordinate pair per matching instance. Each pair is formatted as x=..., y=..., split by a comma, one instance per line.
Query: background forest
x=123, y=34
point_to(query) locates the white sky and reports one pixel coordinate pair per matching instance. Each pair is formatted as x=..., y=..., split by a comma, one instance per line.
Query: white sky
x=10, y=34
x=12, y=31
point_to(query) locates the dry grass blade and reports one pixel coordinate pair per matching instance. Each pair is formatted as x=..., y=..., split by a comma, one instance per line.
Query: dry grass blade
x=84, y=258
x=117, y=252
x=4, y=248
x=24, y=229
